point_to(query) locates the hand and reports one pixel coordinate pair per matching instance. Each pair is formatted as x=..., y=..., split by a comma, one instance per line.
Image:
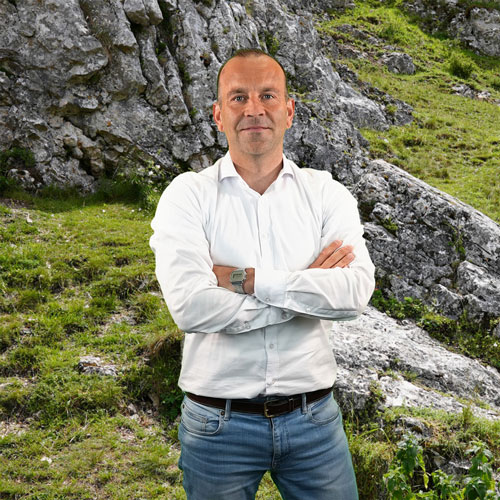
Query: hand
x=334, y=255
x=223, y=273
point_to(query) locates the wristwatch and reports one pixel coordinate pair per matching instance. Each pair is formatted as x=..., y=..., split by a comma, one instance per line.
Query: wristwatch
x=237, y=278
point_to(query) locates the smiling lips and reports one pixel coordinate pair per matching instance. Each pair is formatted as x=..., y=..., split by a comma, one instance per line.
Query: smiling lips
x=253, y=127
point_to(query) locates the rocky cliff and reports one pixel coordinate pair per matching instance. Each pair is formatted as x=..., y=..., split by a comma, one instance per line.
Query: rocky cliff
x=91, y=86
x=476, y=24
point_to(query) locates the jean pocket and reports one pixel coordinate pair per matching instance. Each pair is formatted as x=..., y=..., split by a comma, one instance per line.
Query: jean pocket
x=324, y=411
x=200, y=419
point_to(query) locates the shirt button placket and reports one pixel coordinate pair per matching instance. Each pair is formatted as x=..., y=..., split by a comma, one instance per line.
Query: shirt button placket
x=272, y=357
x=263, y=217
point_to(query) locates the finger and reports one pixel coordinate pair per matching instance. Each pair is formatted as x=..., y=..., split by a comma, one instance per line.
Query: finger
x=337, y=257
x=345, y=261
x=325, y=253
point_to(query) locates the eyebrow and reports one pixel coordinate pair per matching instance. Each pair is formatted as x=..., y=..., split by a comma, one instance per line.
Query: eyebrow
x=236, y=91
x=244, y=91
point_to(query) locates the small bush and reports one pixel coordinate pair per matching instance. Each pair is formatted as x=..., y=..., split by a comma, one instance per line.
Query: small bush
x=495, y=83
x=461, y=67
x=25, y=360
x=163, y=372
x=13, y=396
x=147, y=306
x=62, y=395
x=370, y=460
x=393, y=32
x=24, y=157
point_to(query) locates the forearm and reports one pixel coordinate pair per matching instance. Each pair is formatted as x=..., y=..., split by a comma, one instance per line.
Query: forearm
x=330, y=288
x=323, y=293
x=220, y=311
x=198, y=304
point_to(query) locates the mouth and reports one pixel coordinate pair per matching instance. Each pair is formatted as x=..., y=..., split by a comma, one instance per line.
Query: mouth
x=254, y=129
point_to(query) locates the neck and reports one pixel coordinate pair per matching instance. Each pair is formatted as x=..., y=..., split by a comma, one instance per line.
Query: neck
x=259, y=172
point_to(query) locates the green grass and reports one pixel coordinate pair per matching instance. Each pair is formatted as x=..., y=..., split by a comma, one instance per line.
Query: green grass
x=453, y=142
x=78, y=280
x=109, y=457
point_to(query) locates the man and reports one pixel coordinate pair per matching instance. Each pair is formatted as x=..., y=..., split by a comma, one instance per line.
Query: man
x=255, y=257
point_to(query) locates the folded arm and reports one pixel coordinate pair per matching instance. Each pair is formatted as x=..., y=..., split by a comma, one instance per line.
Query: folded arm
x=334, y=255
x=184, y=270
x=337, y=285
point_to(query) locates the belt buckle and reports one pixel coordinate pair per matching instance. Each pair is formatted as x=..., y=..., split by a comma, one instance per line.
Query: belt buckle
x=277, y=402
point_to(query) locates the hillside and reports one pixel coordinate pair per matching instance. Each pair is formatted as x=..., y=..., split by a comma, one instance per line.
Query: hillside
x=89, y=354
x=453, y=141
x=77, y=281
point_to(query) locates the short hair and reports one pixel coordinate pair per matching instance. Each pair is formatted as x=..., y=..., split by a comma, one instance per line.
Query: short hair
x=248, y=53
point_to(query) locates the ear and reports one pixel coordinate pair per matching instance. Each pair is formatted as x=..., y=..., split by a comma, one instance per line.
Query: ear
x=217, y=116
x=290, y=112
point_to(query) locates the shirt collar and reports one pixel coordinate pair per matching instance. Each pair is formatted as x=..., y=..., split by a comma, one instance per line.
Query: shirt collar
x=227, y=168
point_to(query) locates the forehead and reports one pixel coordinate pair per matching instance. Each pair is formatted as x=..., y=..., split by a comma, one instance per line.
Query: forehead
x=252, y=72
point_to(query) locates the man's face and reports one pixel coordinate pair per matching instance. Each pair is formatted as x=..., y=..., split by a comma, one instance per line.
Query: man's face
x=253, y=110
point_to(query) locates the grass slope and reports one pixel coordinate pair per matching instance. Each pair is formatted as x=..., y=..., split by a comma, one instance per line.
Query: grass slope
x=77, y=278
x=454, y=141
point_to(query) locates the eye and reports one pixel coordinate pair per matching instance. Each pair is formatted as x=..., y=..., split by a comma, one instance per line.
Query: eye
x=238, y=98
x=268, y=97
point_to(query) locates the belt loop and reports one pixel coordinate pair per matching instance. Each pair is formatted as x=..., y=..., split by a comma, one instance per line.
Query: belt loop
x=304, y=403
x=227, y=411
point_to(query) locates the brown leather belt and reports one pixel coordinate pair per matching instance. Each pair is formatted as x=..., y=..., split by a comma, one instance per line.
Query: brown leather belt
x=271, y=408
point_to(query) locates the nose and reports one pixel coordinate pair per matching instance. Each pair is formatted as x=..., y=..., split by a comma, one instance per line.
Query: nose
x=254, y=107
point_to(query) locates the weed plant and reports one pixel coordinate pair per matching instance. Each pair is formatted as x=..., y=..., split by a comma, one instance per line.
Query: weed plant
x=407, y=478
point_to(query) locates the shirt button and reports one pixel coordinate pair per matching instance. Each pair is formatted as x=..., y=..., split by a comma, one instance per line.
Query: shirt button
x=284, y=315
x=268, y=299
x=247, y=325
x=308, y=309
x=271, y=346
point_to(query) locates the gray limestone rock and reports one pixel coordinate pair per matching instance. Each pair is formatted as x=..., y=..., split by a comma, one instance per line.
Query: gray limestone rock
x=405, y=367
x=143, y=12
x=398, y=62
x=156, y=92
x=93, y=365
x=477, y=27
x=136, y=12
x=428, y=245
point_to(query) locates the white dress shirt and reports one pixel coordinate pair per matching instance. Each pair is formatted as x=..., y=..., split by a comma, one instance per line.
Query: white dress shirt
x=274, y=342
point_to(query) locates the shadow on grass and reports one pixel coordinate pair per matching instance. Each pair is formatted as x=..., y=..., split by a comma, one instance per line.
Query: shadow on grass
x=57, y=200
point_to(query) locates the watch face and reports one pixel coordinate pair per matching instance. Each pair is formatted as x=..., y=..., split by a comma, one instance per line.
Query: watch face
x=238, y=275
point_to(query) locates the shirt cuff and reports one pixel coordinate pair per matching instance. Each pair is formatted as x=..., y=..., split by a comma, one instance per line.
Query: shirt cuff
x=270, y=286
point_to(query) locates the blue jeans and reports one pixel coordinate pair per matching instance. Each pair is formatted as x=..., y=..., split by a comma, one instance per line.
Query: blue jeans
x=224, y=454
